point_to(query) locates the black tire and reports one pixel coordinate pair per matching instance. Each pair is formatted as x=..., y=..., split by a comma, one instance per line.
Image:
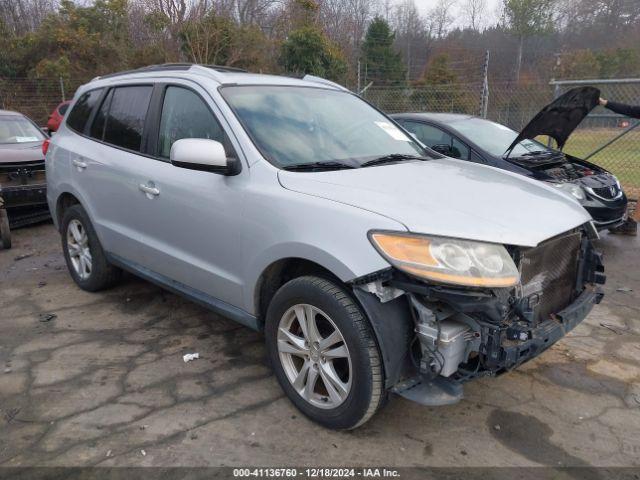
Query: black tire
x=5, y=230
x=367, y=380
x=103, y=275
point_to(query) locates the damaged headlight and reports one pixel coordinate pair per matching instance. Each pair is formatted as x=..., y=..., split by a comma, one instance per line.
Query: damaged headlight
x=448, y=260
x=575, y=191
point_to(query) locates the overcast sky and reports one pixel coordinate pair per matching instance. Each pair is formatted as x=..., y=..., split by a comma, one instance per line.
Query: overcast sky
x=425, y=5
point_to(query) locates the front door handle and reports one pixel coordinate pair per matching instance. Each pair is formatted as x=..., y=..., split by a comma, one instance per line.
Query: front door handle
x=79, y=164
x=150, y=190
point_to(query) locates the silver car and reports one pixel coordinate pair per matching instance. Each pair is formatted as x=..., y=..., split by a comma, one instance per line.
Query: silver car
x=373, y=265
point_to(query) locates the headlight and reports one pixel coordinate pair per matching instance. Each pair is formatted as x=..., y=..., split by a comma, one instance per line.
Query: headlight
x=448, y=260
x=575, y=191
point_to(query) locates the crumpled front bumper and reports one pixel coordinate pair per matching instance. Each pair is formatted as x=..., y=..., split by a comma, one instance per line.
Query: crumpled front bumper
x=508, y=354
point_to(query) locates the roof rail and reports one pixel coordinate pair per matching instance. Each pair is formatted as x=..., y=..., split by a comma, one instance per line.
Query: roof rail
x=170, y=67
x=224, y=68
x=324, y=81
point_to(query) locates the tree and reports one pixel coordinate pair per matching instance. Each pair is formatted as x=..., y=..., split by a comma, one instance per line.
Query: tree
x=440, y=17
x=439, y=91
x=307, y=50
x=439, y=72
x=474, y=12
x=78, y=42
x=381, y=63
x=220, y=40
x=22, y=16
x=526, y=18
x=411, y=37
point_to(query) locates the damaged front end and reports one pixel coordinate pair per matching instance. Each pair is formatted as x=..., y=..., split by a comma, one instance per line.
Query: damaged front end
x=434, y=337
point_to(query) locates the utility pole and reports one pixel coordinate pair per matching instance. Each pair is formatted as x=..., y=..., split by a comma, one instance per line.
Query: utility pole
x=484, y=99
x=62, y=89
x=408, y=57
x=359, y=79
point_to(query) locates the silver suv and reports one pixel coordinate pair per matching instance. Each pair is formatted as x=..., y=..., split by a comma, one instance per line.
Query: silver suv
x=372, y=264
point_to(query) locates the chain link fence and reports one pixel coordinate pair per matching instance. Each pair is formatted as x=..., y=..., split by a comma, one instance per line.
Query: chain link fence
x=515, y=106
x=504, y=103
x=35, y=98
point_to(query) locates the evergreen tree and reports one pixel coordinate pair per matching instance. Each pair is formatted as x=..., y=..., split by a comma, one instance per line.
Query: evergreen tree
x=381, y=64
x=307, y=50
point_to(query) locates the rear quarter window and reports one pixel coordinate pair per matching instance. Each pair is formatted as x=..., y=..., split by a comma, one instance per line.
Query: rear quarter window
x=81, y=111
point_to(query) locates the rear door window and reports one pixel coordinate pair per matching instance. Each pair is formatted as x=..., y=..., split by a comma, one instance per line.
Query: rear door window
x=97, y=127
x=81, y=111
x=127, y=114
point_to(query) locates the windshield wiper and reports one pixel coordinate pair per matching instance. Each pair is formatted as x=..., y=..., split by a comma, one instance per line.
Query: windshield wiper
x=326, y=165
x=392, y=158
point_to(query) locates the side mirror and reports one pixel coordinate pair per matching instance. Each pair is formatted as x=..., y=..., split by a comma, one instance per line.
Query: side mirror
x=202, y=154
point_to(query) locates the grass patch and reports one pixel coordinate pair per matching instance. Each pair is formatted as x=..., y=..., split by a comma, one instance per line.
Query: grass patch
x=622, y=158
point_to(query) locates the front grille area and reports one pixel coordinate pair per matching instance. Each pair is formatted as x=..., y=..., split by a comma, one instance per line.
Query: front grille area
x=551, y=268
x=606, y=192
x=26, y=173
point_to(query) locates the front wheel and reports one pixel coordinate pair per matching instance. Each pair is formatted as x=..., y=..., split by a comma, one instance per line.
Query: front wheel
x=324, y=353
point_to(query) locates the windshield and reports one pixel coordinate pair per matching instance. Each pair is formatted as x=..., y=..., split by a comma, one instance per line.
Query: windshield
x=18, y=129
x=495, y=138
x=302, y=125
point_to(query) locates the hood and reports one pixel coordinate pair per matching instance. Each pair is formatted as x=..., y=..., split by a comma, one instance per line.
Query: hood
x=561, y=117
x=448, y=197
x=21, y=152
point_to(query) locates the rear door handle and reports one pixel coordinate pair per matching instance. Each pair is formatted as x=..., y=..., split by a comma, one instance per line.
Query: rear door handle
x=150, y=190
x=79, y=164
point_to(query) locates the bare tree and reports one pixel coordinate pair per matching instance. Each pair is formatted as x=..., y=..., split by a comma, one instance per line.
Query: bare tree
x=345, y=22
x=22, y=16
x=440, y=17
x=474, y=12
x=252, y=11
x=411, y=35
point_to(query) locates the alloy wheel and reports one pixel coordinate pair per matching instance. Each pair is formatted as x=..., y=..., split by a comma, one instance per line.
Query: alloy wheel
x=314, y=356
x=78, y=249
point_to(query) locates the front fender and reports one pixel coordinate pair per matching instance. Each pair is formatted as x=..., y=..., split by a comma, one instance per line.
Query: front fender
x=393, y=327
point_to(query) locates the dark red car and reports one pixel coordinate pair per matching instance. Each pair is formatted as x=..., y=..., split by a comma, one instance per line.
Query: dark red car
x=57, y=115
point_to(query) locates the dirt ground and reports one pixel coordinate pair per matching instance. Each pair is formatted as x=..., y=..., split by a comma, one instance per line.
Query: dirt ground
x=104, y=383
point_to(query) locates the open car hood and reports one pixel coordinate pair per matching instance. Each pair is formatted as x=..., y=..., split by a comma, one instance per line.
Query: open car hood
x=561, y=117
